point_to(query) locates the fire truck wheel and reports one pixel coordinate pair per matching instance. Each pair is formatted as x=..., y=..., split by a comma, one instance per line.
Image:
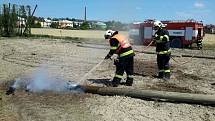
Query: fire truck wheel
x=176, y=43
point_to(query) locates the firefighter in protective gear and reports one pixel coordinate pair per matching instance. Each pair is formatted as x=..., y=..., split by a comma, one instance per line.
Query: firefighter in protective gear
x=120, y=46
x=161, y=39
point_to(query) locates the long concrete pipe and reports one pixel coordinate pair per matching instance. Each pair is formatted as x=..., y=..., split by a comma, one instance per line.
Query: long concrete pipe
x=144, y=94
x=154, y=95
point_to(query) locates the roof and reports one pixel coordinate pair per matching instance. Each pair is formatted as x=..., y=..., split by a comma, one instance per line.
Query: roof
x=100, y=23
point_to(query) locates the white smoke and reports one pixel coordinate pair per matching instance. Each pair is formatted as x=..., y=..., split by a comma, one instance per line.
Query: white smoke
x=41, y=80
x=17, y=84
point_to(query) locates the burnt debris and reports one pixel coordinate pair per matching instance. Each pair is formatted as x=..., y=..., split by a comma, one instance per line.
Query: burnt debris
x=10, y=91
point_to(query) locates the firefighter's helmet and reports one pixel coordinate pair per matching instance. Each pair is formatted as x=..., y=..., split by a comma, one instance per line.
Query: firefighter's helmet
x=109, y=34
x=158, y=24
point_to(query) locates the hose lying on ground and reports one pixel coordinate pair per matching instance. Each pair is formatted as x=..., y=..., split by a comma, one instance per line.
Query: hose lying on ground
x=148, y=52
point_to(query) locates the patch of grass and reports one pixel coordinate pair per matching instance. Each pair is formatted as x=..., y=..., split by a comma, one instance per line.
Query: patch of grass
x=65, y=38
x=55, y=37
x=209, y=41
x=5, y=113
x=38, y=36
x=1, y=102
x=208, y=46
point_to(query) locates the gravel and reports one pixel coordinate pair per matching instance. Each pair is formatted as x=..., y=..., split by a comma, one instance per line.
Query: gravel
x=20, y=58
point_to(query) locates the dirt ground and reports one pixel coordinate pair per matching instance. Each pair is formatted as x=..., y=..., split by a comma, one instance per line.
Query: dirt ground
x=19, y=58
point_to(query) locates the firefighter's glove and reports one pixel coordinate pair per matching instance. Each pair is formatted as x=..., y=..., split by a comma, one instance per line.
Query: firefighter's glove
x=108, y=56
x=156, y=37
x=115, y=57
x=116, y=62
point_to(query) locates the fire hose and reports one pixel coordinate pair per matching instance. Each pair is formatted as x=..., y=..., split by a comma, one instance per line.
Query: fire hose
x=82, y=80
x=148, y=52
x=178, y=63
x=147, y=47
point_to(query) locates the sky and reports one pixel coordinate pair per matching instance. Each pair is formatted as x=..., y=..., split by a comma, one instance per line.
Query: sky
x=124, y=10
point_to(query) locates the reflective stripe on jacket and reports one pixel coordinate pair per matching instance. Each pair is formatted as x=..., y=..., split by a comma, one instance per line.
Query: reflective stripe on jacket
x=126, y=53
x=162, y=39
x=164, y=52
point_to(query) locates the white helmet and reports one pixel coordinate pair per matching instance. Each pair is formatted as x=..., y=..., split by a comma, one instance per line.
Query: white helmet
x=108, y=34
x=158, y=24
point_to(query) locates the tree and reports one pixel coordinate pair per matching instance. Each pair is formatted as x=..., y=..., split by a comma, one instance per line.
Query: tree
x=28, y=21
x=85, y=26
x=55, y=19
x=23, y=19
x=74, y=25
x=0, y=22
x=36, y=25
x=116, y=25
x=54, y=25
x=98, y=26
x=49, y=18
x=23, y=13
x=10, y=15
x=13, y=20
x=35, y=22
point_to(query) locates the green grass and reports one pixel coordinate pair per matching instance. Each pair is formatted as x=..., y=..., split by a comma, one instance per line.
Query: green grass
x=54, y=37
x=209, y=41
x=67, y=39
x=208, y=46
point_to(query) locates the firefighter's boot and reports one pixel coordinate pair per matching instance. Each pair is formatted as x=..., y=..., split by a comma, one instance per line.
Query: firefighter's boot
x=160, y=75
x=129, y=81
x=115, y=82
x=166, y=76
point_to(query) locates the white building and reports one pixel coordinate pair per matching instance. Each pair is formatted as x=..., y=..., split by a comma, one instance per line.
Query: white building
x=46, y=23
x=65, y=23
x=21, y=22
x=71, y=24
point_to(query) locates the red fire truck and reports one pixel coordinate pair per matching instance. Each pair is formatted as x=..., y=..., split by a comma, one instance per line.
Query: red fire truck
x=182, y=33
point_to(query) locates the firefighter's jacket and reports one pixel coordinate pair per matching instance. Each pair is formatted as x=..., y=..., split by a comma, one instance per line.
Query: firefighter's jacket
x=162, y=42
x=121, y=46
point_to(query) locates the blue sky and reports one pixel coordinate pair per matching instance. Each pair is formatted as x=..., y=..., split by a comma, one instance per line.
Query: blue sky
x=125, y=10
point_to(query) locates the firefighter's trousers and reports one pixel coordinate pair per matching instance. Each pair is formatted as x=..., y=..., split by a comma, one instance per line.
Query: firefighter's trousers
x=124, y=65
x=163, y=65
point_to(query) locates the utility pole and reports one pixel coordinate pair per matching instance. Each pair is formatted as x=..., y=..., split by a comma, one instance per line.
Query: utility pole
x=85, y=14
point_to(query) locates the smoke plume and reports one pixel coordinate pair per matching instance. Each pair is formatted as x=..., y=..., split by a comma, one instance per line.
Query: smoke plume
x=41, y=80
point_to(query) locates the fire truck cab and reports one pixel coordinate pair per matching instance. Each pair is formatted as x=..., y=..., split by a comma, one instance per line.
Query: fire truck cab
x=182, y=33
